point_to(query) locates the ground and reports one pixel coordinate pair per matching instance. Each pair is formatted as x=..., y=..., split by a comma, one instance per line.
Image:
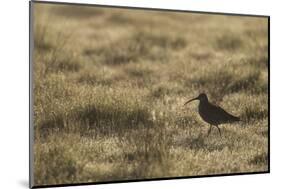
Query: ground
x=109, y=87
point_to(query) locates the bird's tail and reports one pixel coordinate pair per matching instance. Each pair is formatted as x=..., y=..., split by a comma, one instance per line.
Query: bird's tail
x=234, y=118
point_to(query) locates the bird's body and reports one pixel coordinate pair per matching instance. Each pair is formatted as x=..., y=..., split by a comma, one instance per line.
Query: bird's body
x=212, y=114
x=215, y=115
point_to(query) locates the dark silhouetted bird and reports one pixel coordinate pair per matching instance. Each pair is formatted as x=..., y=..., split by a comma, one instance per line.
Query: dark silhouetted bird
x=212, y=114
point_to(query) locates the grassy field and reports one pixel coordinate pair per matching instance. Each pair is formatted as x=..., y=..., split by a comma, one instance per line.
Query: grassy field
x=110, y=84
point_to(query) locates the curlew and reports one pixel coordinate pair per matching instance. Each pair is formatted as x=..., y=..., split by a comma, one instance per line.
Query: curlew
x=212, y=114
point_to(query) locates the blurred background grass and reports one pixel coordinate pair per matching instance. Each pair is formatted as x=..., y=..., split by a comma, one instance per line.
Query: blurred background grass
x=109, y=85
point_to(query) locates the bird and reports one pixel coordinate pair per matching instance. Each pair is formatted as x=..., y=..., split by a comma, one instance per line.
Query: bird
x=212, y=114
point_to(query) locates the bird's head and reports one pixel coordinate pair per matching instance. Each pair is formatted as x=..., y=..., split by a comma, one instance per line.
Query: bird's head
x=202, y=97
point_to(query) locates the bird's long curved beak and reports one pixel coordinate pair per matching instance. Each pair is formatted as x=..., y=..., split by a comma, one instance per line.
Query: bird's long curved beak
x=191, y=100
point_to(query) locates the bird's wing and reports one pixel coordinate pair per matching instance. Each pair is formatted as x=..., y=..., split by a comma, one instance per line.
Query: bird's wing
x=221, y=115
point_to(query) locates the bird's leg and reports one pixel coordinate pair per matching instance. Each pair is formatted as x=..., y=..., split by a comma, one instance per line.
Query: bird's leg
x=209, y=131
x=218, y=129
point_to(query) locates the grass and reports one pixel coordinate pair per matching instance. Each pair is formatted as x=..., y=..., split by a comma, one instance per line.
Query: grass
x=109, y=88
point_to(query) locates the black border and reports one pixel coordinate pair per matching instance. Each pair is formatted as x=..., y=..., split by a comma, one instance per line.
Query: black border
x=148, y=9
x=30, y=133
x=152, y=179
x=133, y=180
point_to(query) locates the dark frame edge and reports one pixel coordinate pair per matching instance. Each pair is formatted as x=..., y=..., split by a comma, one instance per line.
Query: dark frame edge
x=268, y=103
x=149, y=180
x=31, y=128
x=149, y=8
